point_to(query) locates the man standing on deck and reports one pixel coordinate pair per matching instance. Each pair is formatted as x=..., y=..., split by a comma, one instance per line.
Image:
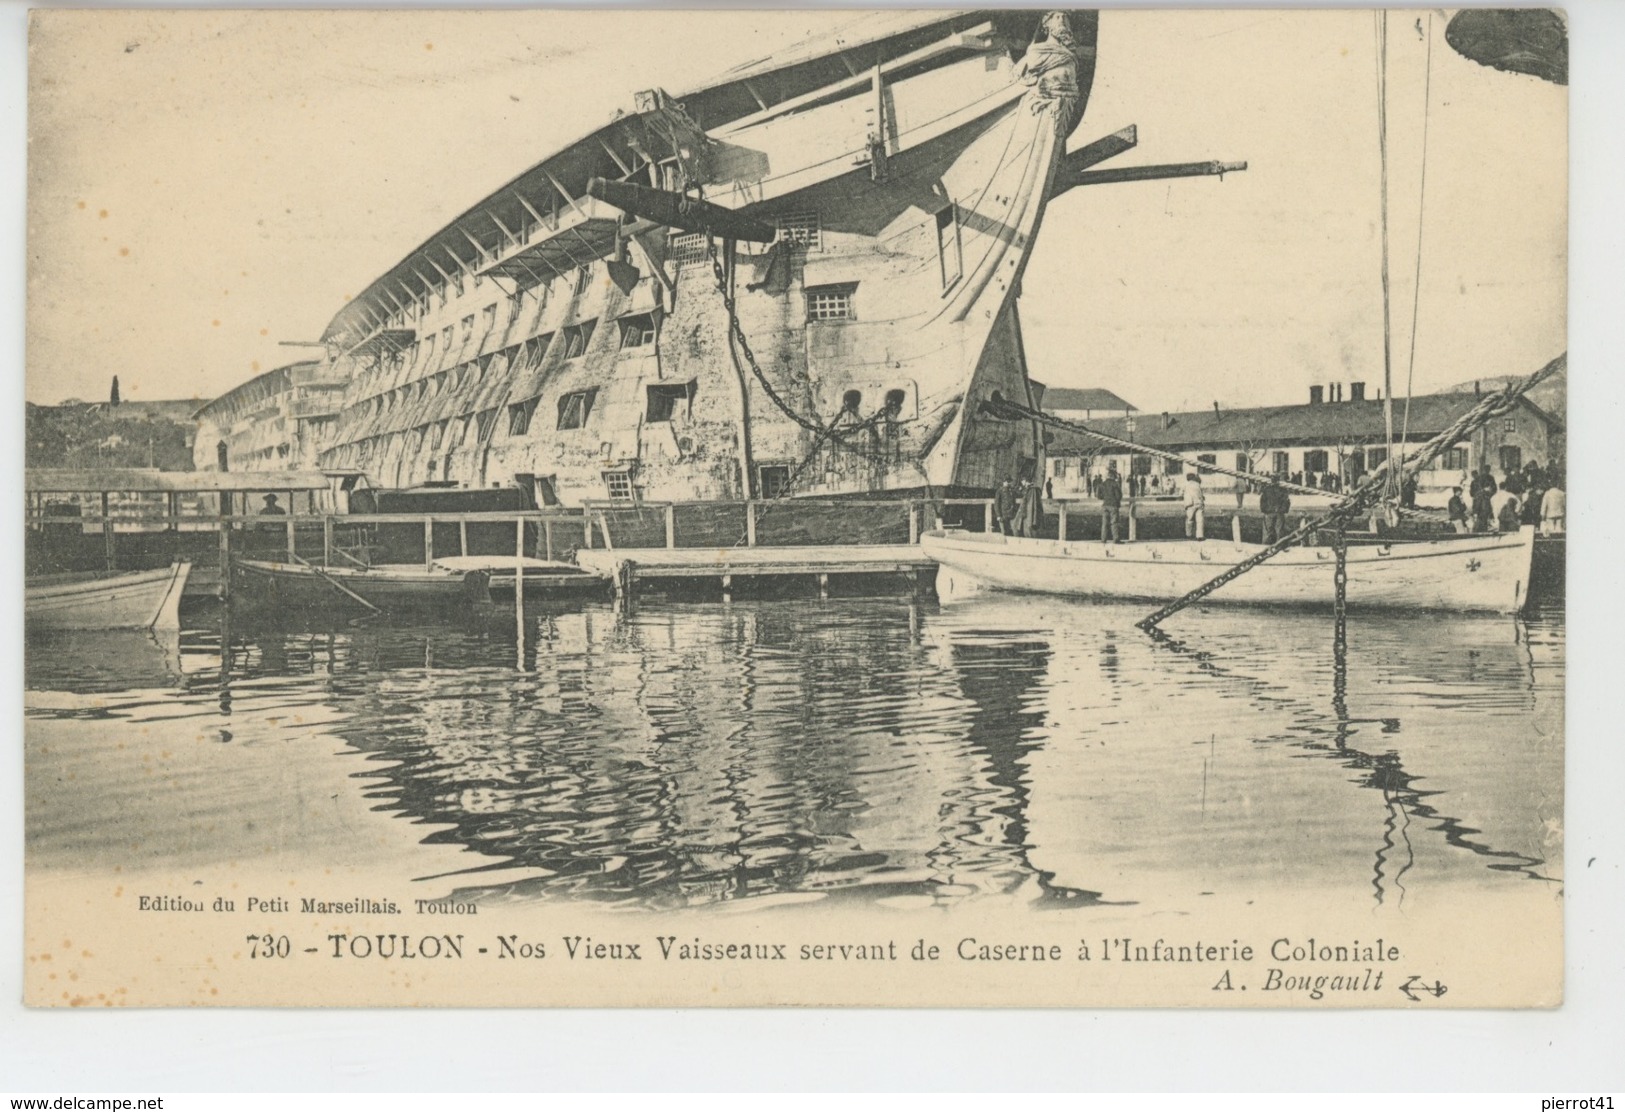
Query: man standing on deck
x=1275, y=503
x=1004, y=506
x=1111, y=500
x=1457, y=510
x=1553, y=507
x=1195, y=504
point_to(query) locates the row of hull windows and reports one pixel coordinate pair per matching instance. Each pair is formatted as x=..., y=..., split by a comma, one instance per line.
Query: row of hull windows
x=772, y=481
x=664, y=403
x=638, y=332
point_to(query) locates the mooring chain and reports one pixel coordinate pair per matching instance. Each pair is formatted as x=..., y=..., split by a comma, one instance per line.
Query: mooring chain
x=812, y=425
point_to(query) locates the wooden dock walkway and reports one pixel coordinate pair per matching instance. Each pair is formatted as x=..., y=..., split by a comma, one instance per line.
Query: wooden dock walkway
x=626, y=566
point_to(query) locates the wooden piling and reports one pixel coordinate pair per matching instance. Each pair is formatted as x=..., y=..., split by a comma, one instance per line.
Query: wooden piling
x=547, y=532
x=671, y=526
x=428, y=544
x=913, y=523
x=108, y=540
x=462, y=536
x=1060, y=524
x=519, y=582
x=750, y=524
x=293, y=538
x=327, y=540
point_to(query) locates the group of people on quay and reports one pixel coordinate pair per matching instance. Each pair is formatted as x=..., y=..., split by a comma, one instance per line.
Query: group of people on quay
x=1531, y=495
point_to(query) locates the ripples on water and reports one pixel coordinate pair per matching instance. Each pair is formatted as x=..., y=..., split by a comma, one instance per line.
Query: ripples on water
x=1033, y=750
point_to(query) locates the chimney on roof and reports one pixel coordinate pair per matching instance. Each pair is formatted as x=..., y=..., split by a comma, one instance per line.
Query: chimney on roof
x=1167, y=421
x=1215, y=409
x=1317, y=395
x=1356, y=391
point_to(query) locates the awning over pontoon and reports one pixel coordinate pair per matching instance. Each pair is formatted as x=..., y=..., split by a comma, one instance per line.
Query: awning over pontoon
x=140, y=481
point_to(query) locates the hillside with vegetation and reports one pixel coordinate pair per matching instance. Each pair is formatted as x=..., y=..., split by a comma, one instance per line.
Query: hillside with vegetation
x=86, y=435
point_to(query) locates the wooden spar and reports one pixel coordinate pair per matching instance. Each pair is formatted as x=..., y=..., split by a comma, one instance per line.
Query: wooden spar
x=461, y=265
x=495, y=219
x=686, y=214
x=399, y=308
x=1148, y=173
x=565, y=193
x=530, y=208
x=438, y=267
x=877, y=142
x=609, y=150
x=478, y=246
x=1107, y=146
x=337, y=586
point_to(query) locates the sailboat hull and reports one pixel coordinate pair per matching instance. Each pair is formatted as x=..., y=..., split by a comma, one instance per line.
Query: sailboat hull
x=1479, y=573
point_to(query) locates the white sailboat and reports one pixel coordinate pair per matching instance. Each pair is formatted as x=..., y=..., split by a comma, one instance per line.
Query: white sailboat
x=1472, y=573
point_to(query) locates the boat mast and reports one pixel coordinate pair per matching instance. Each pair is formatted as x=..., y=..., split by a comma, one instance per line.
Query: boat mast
x=1387, y=327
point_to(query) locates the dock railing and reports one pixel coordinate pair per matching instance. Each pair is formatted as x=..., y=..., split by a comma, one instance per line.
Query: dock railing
x=554, y=533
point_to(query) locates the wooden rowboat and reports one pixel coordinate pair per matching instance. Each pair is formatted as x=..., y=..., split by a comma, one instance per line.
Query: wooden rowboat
x=457, y=582
x=270, y=584
x=1486, y=573
x=130, y=600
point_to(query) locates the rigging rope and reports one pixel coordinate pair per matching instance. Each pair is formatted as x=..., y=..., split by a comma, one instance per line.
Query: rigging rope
x=1421, y=213
x=1368, y=491
x=1381, y=18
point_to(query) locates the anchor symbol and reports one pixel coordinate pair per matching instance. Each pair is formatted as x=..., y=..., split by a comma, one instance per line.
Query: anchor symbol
x=1416, y=984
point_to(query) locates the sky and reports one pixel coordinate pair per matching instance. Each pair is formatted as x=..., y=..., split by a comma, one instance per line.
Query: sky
x=206, y=185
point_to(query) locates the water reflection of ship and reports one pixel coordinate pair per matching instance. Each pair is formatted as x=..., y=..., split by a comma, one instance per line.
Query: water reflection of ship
x=1255, y=685
x=693, y=756
x=784, y=752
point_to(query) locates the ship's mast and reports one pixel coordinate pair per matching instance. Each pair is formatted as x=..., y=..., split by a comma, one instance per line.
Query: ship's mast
x=1387, y=328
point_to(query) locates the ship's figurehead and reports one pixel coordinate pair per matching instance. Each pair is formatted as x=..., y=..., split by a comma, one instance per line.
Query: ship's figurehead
x=1050, y=70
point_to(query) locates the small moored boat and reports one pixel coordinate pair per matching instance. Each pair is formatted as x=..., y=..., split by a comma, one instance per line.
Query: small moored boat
x=1478, y=572
x=455, y=582
x=386, y=587
x=127, y=600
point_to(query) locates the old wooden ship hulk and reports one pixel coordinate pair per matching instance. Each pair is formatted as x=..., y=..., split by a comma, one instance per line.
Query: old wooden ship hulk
x=800, y=279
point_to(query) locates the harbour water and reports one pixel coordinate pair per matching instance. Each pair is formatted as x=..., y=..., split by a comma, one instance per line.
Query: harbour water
x=1003, y=751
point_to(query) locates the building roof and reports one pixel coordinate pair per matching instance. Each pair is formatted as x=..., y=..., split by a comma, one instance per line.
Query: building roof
x=1059, y=399
x=1314, y=424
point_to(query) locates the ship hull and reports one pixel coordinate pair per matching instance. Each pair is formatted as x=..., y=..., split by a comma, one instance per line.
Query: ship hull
x=847, y=358
x=1476, y=573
